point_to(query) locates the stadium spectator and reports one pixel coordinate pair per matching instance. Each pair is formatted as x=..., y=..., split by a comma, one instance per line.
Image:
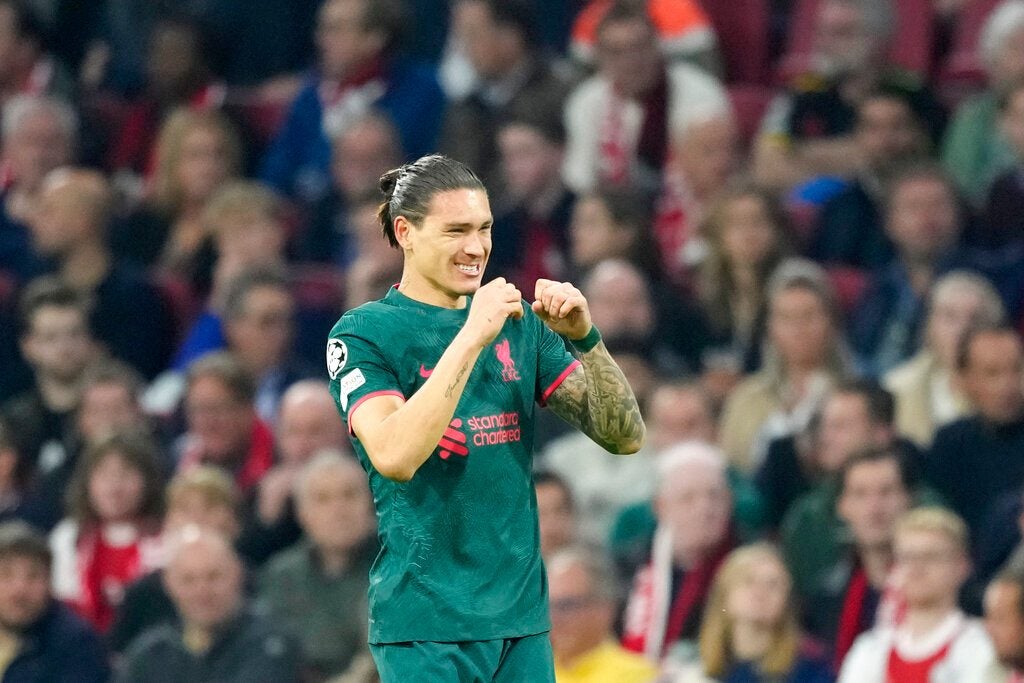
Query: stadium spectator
x=317, y=590
x=856, y=414
x=223, y=427
x=703, y=155
x=246, y=222
x=619, y=120
x=693, y=508
x=37, y=135
x=1004, y=622
x=259, y=324
x=27, y=67
x=751, y=629
x=109, y=538
x=178, y=74
x=43, y=639
x=974, y=149
x=531, y=233
x=15, y=473
x=977, y=457
x=683, y=31
x=356, y=41
x=378, y=266
x=196, y=152
x=70, y=226
x=927, y=393
x=934, y=640
x=612, y=223
x=307, y=423
x=108, y=402
x=501, y=42
x=583, y=593
x=640, y=313
x=556, y=512
x=360, y=154
x=56, y=342
x=843, y=587
x=888, y=134
x=807, y=130
x=205, y=497
x=925, y=224
x=805, y=357
x=218, y=638
x=745, y=237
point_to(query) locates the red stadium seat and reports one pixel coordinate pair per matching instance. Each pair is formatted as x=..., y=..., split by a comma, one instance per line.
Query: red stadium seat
x=749, y=102
x=911, y=47
x=743, y=29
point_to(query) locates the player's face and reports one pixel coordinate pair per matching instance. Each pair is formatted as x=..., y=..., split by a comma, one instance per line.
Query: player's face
x=449, y=250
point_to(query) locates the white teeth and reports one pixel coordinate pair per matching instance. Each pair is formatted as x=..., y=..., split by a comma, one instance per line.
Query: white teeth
x=473, y=270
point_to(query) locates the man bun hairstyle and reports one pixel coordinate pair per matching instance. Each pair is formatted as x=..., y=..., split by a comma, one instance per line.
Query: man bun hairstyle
x=409, y=189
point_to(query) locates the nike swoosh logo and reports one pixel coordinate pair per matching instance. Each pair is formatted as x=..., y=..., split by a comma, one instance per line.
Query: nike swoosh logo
x=424, y=373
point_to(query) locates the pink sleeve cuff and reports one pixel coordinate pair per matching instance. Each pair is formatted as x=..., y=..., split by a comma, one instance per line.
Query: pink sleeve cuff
x=558, y=381
x=363, y=399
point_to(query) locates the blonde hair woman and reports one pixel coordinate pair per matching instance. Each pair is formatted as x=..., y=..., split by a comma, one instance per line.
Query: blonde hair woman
x=196, y=153
x=804, y=357
x=750, y=631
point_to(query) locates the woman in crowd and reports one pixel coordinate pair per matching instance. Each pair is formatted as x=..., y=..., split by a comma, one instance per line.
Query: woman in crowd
x=750, y=632
x=197, y=151
x=745, y=236
x=110, y=537
x=804, y=356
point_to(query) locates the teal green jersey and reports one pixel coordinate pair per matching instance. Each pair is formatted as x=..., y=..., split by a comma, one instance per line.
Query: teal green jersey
x=460, y=547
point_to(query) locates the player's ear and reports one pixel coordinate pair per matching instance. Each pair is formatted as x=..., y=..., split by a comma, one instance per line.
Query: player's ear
x=403, y=231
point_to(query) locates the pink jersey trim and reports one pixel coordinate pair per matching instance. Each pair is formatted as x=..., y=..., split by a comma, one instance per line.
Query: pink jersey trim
x=372, y=394
x=558, y=381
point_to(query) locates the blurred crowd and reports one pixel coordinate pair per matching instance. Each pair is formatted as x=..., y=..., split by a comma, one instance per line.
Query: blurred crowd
x=799, y=225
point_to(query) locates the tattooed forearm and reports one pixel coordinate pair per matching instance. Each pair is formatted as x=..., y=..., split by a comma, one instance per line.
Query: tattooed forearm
x=458, y=378
x=599, y=402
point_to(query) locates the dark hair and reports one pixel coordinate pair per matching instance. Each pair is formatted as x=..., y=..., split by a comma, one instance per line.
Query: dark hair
x=138, y=449
x=518, y=15
x=963, y=346
x=409, y=189
x=922, y=170
x=18, y=539
x=879, y=402
x=542, y=116
x=390, y=18
x=228, y=370
x=49, y=290
x=545, y=477
x=240, y=286
x=631, y=208
x=908, y=477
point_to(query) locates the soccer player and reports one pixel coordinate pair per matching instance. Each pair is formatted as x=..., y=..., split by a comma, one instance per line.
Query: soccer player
x=438, y=382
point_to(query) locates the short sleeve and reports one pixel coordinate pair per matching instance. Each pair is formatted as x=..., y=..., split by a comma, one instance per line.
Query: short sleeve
x=554, y=362
x=357, y=368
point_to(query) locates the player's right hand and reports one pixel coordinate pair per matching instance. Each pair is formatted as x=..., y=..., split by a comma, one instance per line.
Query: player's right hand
x=492, y=305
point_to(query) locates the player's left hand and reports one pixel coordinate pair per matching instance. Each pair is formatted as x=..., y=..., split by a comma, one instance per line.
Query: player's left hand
x=563, y=308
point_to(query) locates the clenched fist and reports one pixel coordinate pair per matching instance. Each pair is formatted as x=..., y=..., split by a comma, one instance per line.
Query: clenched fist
x=563, y=308
x=492, y=305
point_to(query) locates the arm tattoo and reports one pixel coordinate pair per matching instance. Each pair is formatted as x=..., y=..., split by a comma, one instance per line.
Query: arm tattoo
x=600, y=403
x=458, y=378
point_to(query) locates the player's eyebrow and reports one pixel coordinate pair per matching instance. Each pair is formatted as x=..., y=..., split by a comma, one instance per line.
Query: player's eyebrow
x=468, y=226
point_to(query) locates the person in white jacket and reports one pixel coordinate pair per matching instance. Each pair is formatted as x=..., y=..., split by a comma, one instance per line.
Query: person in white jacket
x=930, y=639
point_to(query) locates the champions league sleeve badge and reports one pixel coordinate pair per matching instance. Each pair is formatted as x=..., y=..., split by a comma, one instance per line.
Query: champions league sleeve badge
x=337, y=354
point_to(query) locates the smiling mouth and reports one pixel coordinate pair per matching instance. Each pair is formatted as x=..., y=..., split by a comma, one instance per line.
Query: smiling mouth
x=469, y=269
